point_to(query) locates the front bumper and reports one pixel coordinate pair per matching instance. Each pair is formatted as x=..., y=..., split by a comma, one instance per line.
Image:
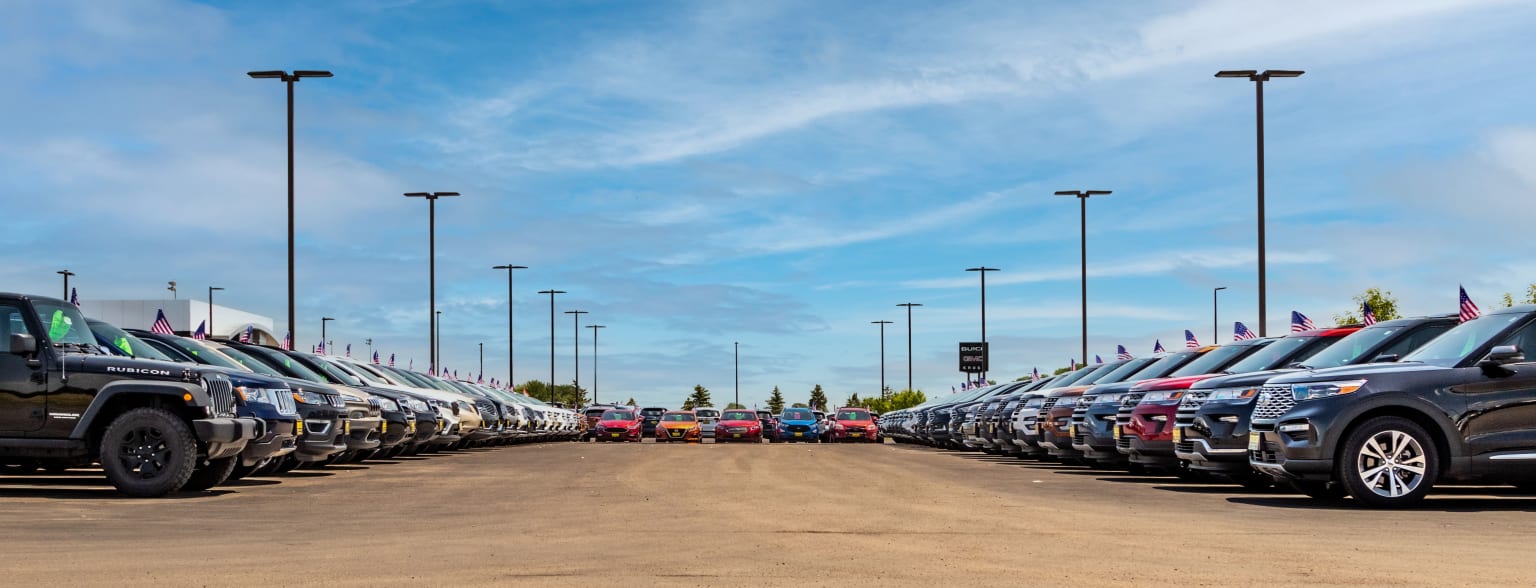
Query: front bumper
x=321, y=433
x=225, y=436
x=1214, y=443
x=276, y=441
x=363, y=433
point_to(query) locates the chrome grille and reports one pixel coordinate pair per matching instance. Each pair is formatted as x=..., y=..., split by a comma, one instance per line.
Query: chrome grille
x=487, y=409
x=221, y=396
x=336, y=400
x=1188, y=407
x=1184, y=447
x=285, y=404
x=1273, y=402
x=1127, y=406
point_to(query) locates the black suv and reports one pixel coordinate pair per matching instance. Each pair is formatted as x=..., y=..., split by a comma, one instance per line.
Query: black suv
x=651, y=416
x=1461, y=408
x=1213, y=418
x=155, y=427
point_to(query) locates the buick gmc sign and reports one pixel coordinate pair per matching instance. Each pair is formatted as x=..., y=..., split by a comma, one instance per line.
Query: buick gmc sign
x=973, y=357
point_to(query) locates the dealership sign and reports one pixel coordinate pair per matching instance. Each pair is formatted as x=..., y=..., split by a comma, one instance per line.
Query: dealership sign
x=973, y=357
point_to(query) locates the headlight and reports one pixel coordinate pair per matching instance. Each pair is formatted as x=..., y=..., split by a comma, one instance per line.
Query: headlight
x=258, y=395
x=307, y=397
x=1324, y=389
x=389, y=405
x=1107, y=399
x=1245, y=394
x=1163, y=396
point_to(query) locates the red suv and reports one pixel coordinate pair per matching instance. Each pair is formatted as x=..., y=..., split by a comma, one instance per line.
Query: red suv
x=854, y=424
x=618, y=424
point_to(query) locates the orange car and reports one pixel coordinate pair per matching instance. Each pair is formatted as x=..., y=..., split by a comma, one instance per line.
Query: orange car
x=678, y=425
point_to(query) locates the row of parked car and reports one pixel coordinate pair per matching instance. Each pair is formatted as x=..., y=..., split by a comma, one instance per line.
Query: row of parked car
x=628, y=423
x=1380, y=413
x=162, y=413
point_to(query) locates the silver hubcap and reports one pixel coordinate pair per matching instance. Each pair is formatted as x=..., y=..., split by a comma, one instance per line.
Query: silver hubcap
x=1391, y=464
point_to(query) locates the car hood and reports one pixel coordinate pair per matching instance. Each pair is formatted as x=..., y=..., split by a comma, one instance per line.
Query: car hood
x=741, y=423
x=1248, y=379
x=794, y=422
x=679, y=424
x=1353, y=371
x=855, y=423
x=1178, y=383
x=616, y=423
x=127, y=367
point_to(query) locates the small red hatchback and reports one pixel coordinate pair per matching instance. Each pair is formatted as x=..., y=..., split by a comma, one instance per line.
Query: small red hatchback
x=618, y=425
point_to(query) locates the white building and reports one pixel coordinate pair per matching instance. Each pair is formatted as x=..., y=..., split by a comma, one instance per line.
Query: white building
x=185, y=316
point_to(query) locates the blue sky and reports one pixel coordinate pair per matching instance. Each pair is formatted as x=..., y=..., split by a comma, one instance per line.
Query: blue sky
x=774, y=173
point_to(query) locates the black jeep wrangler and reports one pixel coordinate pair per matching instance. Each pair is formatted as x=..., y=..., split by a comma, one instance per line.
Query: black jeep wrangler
x=154, y=427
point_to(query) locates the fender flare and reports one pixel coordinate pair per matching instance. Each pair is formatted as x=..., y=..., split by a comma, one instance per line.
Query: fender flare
x=174, y=391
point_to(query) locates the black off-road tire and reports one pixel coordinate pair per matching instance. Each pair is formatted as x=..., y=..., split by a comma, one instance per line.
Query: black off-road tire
x=148, y=452
x=216, y=472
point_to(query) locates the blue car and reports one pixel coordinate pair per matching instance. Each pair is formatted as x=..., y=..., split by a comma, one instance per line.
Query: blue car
x=798, y=424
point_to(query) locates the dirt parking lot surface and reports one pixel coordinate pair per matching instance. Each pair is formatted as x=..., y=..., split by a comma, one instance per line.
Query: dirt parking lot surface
x=738, y=515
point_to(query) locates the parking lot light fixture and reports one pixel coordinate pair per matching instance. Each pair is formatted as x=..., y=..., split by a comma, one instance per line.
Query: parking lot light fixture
x=1082, y=200
x=909, y=306
x=882, y=324
x=327, y=342
x=511, y=355
x=594, y=359
x=211, y=290
x=552, y=292
x=1258, y=78
x=1215, y=315
x=66, y=273
x=576, y=343
x=983, y=271
x=432, y=344
x=289, y=80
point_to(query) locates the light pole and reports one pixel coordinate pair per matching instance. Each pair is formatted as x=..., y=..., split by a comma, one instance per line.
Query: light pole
x=437, y=337
x=882, y=324
x=432, y=343
x=576, y=346
x=481, y=373
x=552, y=292
x=983, y=271
x=909, y=306
x=594, y=360
x=323, y=341
x=211, y=290
x=171, y=285
x=66, y=273
x=1082, y=200
x=1215, y=317
x=1258, y=78
x=369, y=343
x=511, y=372
x=290, y=79
x=737, y=346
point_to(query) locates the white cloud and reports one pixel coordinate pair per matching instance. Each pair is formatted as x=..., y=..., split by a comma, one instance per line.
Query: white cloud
x=1157, y=264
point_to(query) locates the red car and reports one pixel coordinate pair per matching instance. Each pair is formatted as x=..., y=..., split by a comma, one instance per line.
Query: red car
x=737, y=424
x=854, y=424
x=618, y=425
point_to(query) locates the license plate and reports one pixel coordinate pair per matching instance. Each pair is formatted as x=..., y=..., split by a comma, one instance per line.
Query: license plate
x=1118, y=432
x=1178, y=434
x=858, y=434
x=384, y=427
x=346, y=427
x=1072, y=431
x=799, y=434
x=298, y=427
x=412, y=428
x=736, y=435
x=1253, y=441
x=614, y=435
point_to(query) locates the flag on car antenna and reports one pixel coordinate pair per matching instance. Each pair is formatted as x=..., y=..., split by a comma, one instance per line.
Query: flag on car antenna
x=1241, y=331
x=1121, y=353
x=201, y=333
x=1190, y=342
x=246, y=336
x=161, y=325
x=375, y=358
x=1300, y=322
x=1469, y=309
x=1157, y=347
x=1367, y=314
x=74, y=297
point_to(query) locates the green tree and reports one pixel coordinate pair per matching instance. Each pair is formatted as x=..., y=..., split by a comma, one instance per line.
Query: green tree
x=1530, y=297
x=798, y=405
x=734, y=405
x=818, y=399
x=567, y=394
x=1060, y=371
x=630, y=402
x=776, y=401
x=698, y=399
x=853, y=400
x=897, y=401
x=1382, y=302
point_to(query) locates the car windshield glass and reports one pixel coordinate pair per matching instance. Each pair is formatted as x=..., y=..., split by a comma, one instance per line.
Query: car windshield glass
x=652, y=412
x=125, y=343
x=1350, y=348
x=251, y=363
x=1456, y=344
x=1126, y=370
x=412, y=379
x=852, y=415
x=337, y=374
x=618, y=415
x=369, y=375
x=677, y=418
x=63, y=322
x=738, y=415
x=207, y=355
x=287, y=364
x=1265, y=358
x=1068, y=378
x=707, y=413
x=795, y=414
x=1214, y=359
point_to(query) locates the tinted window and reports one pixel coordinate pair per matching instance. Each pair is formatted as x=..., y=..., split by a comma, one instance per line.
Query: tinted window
x=1349, y=349
x=738, y=415
x=124, y=342
x=1266, y=357
x=853, y=415
x=798, y=414
x=250, y=363
x=205, y=354
x=677, y=418
x=286, y=364
x=1216, y=359
x=618, y=415
x=1414, y=340
x=1127, y=369
x=63, y=323
x=1456, y=344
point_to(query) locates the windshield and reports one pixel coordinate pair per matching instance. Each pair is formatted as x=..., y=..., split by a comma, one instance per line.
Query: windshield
x=1215, y=359
x=336, y=374
x=677, y=417
x=1269, y=356
x=619, y=415
x=207, y=355
x=368, y=374
x=852, y=415
x=250, y=363
x=739, y=415
x=707, y=413
x=283, y=362
x=124, y=342
x=1101, y=376
x=64, y=322
x=1456, y=344
x=1349, y=349
x=652, y=412
x=798, y=414
x=1126, y=370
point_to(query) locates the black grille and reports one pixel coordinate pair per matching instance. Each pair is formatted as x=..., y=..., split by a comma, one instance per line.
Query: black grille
x=1123, y=443
x=1184, y=447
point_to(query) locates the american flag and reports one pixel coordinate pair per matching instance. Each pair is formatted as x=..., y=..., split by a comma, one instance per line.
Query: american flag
x=349, y=351
x=1072, y=364
x=480, y=379
x=246, y=336
x=1036, y=375
x=1300, y=322
x=1121, y=353
x=455, y=374
x=1097, y=359
x=1367, y=313
x=375, y=358
x=410, y=365
x=287, y=344
x=1190, y=342
x=1157, y=347
x=431, y=370
x=1241, y=331
x=320, y=349
x=161, y=325
x=201, y=333
x=952, y=390
x=74, y=297
x=391, y=360
x=1468, y=308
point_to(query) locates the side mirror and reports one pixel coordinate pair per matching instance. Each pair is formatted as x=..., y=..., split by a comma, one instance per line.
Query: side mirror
x=1499, y=356
x=1386, y=358
x=23, y=344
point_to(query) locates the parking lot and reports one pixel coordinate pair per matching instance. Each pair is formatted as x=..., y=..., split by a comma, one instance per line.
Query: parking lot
x=581, y=513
